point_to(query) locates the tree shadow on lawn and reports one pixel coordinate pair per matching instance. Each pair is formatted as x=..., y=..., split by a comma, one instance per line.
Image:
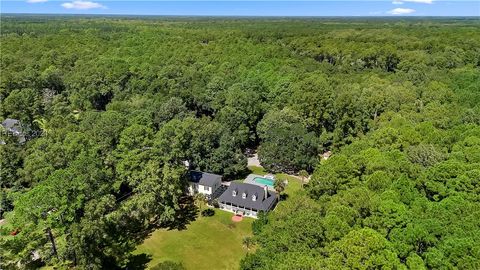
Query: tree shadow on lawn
x=187, y=213
x=283, y=197
x=138, y=261
x=168, y=265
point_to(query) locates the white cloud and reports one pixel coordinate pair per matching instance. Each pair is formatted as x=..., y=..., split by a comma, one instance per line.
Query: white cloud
x=399, y=2
x=36, y=1
x=401, y=11
x=420, y=1
x=82, y=5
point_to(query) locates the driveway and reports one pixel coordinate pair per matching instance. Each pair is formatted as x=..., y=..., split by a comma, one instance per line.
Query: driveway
x=253, y=161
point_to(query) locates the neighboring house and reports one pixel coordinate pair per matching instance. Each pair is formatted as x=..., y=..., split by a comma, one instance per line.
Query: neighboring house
x=247, y=199
x=204, y=183
x=13, y=127
x=327, y=155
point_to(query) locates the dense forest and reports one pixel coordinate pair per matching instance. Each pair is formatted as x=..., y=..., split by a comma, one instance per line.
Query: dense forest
x=112, y=107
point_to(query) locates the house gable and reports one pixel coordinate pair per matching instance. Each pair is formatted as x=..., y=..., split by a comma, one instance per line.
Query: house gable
x=248, y=196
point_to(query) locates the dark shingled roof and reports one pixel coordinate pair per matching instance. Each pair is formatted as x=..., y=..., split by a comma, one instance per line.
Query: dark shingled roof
x=12, y=125
x=203, y=178
x=261, y=204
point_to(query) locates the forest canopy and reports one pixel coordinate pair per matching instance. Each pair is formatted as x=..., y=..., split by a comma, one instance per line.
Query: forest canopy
x=112, y=107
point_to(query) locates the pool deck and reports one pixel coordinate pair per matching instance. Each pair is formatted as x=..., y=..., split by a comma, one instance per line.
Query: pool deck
x=249, y=180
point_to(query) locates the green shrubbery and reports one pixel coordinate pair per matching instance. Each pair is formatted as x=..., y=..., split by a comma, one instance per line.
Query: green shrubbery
x=208, y=212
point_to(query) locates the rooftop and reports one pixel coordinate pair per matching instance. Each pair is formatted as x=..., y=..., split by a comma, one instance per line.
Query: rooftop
x=239, y=189
x=203, y=178
x=12, y=125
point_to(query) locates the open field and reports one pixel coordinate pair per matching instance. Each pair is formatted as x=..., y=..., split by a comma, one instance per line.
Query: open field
x=207, y=243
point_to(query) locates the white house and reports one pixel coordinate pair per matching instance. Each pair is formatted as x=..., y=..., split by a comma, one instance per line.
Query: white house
x=247, y=199
x=204, y=183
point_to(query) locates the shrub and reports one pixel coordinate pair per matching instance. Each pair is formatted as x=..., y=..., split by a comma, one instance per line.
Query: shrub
x=208, y=212
x=168, y=265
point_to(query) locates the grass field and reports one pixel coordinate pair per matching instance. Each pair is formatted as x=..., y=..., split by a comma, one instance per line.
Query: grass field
x=208, y=242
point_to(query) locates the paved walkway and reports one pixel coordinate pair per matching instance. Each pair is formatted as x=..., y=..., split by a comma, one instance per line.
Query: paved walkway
x=253, y=161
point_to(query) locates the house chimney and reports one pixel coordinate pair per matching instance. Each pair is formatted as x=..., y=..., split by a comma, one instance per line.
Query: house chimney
x=265, y=190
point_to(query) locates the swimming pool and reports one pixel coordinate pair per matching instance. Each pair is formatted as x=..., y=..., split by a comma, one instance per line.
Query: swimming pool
x=264, y=181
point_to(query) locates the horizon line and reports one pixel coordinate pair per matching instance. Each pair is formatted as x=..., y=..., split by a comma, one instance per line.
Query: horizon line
x=258, y=16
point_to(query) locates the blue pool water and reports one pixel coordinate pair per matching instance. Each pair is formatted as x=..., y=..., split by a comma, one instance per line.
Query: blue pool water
x=264, y=181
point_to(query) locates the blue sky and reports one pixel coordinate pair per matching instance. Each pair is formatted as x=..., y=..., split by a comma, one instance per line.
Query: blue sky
x=248, y=8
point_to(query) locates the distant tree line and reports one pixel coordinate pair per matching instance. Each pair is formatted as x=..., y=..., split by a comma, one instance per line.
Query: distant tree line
x=125, y=102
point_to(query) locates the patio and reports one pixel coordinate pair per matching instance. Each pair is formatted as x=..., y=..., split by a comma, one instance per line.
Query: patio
x=262, y=181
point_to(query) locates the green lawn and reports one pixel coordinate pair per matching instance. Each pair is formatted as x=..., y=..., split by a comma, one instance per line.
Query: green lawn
x=294, y=186
x=207, y=243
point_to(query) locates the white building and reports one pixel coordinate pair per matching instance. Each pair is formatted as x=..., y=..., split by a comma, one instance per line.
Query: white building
x=203, y=183
x=247, y=199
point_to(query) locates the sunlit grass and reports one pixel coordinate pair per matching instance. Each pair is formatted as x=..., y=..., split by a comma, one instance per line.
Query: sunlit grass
x=207, y=243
